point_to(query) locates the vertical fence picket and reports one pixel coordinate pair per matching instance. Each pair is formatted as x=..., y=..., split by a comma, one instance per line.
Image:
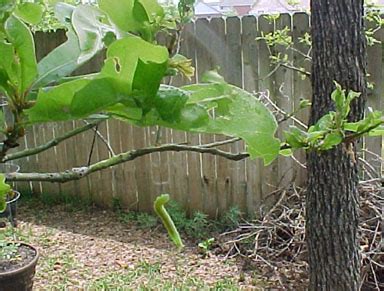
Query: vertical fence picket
x=129, y=189
x=373, y=145
x=233, y=74
x=301, y=86
x=251, y=84
x=142, y=173
x=223, y=171
x=47, y=158
x=267, y=86
x=204, y=58
x=283, y=89
x=194, y=200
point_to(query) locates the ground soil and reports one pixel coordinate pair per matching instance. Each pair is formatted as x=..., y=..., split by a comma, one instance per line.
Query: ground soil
x=81, y=249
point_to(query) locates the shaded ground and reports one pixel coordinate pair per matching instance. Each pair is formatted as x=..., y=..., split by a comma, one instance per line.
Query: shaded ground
x=94, y=250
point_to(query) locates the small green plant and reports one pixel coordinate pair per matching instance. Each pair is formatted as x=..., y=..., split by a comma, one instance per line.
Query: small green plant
x=206, y=245
x=127, y=217
x=9, y=251
x=230, y=219
x=197, y=226
x=142, y=220
x=145, y=220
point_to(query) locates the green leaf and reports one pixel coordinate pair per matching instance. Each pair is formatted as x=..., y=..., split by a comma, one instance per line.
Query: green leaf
x=286, y=152
x=134, y=15
x=6, y=6
x=59, y=63
x=126, y=111
x=84, y=40
x=152, y=9
x=169, y=102
x=331, y=140
x=351, y=126
x=4, y=190
x=121, y=13
x=54, y=104
x=8, y=74
x=338, y=96
x=296, y=138
x=305, y=103
x=379, y=131
x=139, y=63
x=21, y=38
x=29, y=12
x=244, y=117
x=86, y=21
x=79, y=99
x=324, y=123
x=97, y=95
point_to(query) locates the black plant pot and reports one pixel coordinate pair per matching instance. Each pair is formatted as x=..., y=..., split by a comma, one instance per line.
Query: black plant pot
x=20, y=279
x=11, y=209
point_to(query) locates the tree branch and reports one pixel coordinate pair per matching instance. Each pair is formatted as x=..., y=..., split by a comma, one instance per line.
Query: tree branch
x=103, y=139
x=51, y=143
x=285, y=65
x=78, y=173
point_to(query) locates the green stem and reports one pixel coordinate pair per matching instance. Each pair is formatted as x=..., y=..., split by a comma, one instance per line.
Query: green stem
x=167, y=220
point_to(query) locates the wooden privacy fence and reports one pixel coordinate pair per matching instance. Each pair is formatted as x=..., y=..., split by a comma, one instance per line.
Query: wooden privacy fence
x=199, y=182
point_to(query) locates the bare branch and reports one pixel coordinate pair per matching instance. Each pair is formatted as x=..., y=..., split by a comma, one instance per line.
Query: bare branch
x=78, y=173
x=285, y=65
x=264, y=96
x=304, y=55
x=219, y=143
x=51, y=143
x=103, y=139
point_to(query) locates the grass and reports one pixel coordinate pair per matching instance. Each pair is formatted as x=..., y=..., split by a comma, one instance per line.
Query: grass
x=149, y=274
x=62, y=267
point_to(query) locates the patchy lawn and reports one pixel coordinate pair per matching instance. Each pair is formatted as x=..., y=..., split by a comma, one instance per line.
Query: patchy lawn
x=93, y=249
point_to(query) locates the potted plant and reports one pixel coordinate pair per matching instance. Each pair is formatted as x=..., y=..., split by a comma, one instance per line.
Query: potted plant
x=17, y=259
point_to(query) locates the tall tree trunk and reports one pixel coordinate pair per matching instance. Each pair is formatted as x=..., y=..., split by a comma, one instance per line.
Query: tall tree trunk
x=339, y=54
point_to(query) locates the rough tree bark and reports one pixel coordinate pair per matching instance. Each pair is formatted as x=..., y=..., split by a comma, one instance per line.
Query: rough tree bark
x=339, y=54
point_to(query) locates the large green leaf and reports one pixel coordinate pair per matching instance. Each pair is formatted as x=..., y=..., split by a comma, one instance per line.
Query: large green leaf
x=139, y=63
x=79, y=99
x=6, y=6
x=221, y=109
x=8, y=72
x=153, y=10
x=238, y=113
x=121, y=13
x=60, y=62
x=133, y=15
x=169, y=103
x=84, y=40
x=90, y=31
x=24, y=59
x=54, y=104
x=29, y=12
x=97, y=95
